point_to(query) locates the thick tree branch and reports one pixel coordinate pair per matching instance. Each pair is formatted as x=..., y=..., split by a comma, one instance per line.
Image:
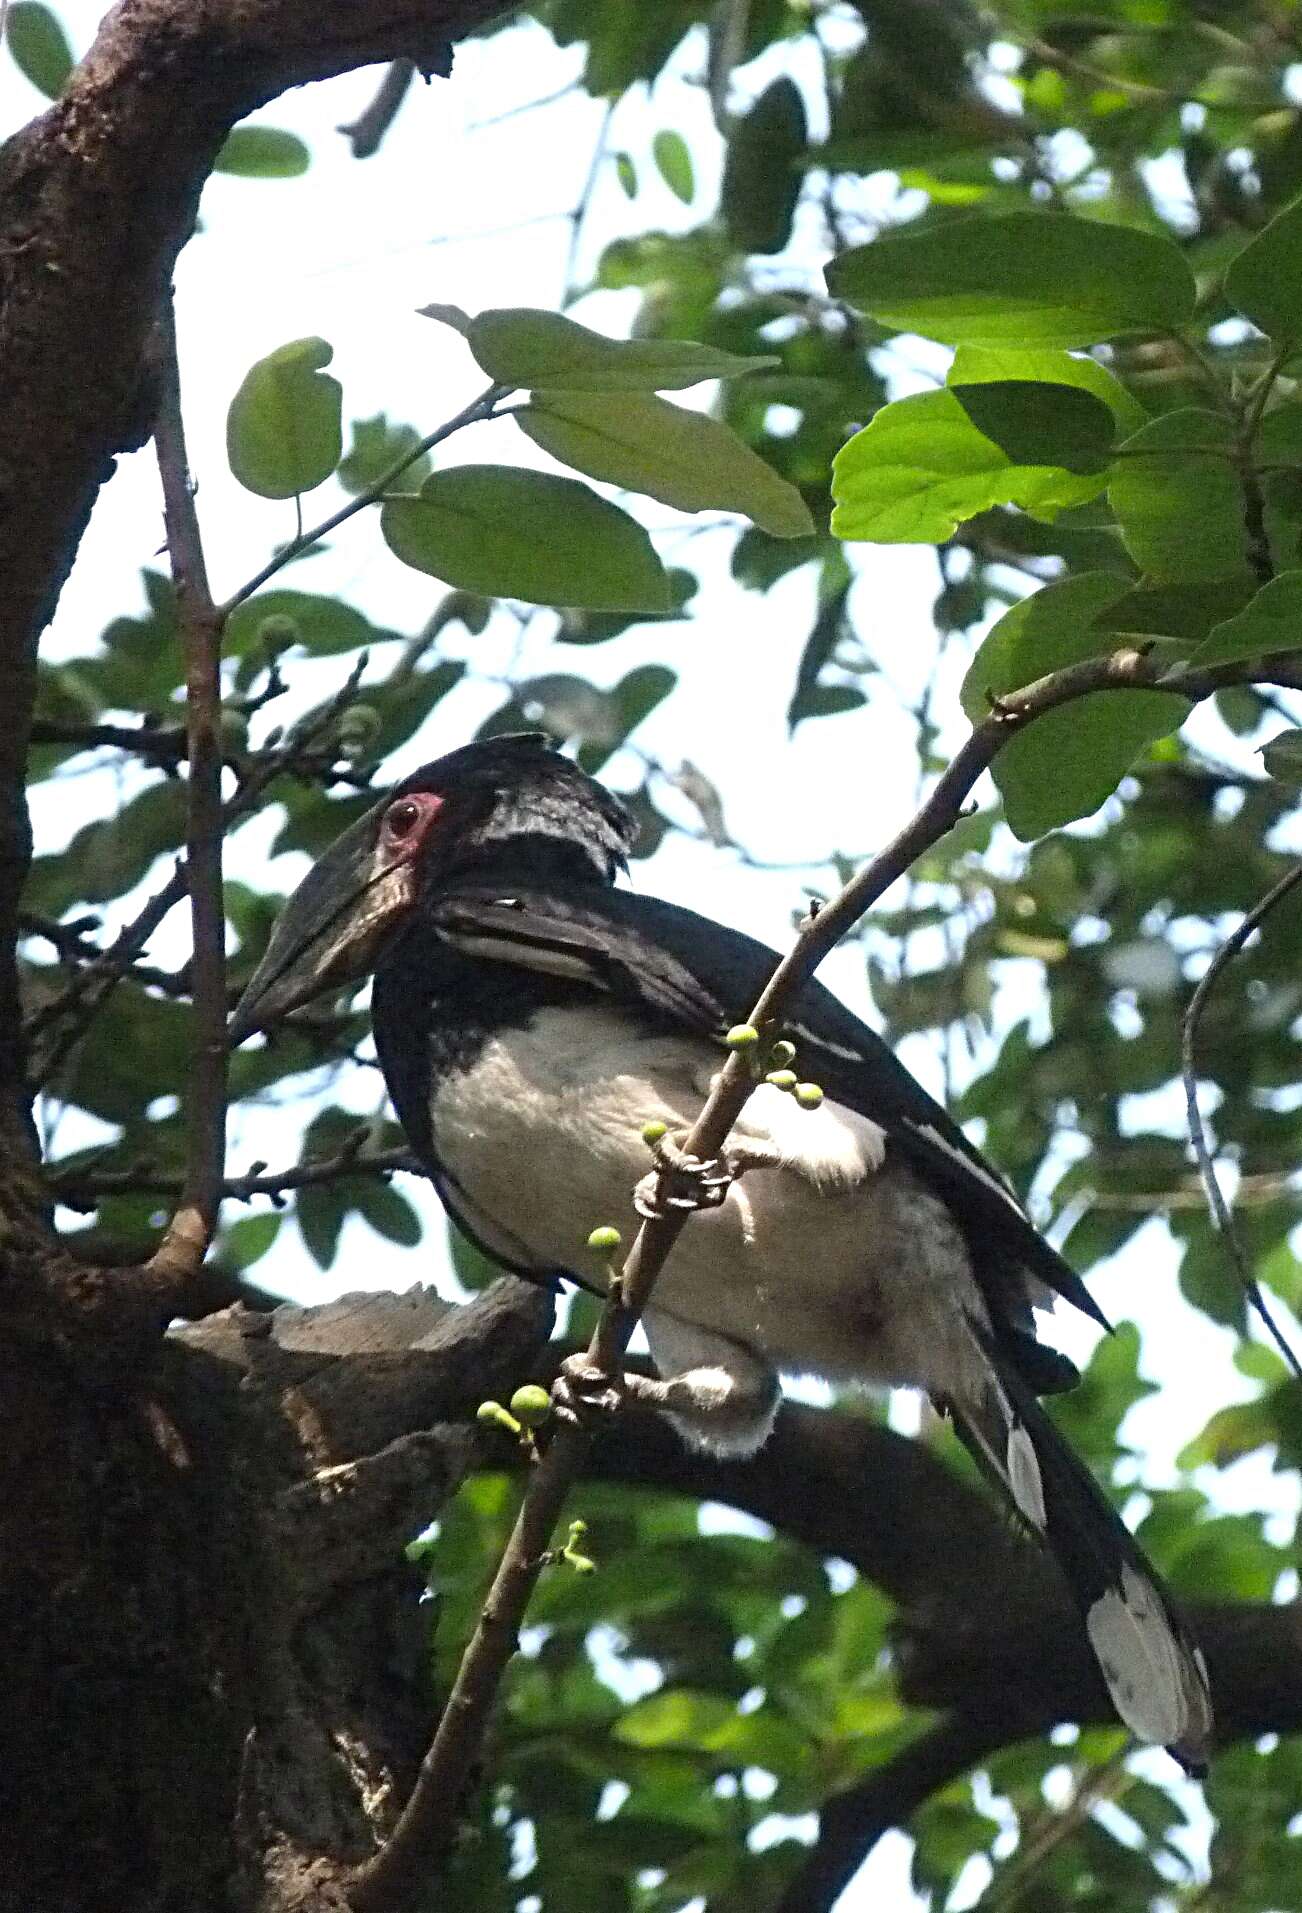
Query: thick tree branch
x=186, y=1240
x=388, y=1882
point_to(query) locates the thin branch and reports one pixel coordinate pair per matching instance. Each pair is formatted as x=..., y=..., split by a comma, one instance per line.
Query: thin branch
x=579, y=215
x=851, y=1823
x=88, y=991
x=185, y=1242
x=167, y=746
x=428, y=1821
x=366, y=133
x=478, y=410
x=84, y=1189
x=1216, y=1202
x=1109, y=1780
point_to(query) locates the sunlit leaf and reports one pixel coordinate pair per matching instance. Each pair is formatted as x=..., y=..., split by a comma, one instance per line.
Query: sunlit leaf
x=262, y=152
x=928, y=462
x=674, y=163
x=1019, y=279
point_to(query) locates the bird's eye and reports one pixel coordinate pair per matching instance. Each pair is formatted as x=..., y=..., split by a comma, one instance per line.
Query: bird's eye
x=401, y=818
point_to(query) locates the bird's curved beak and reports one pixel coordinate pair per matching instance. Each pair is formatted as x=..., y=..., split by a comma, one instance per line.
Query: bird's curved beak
x=330, y=931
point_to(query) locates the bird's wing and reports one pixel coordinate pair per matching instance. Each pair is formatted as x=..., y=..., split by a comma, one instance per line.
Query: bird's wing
x=690, y=973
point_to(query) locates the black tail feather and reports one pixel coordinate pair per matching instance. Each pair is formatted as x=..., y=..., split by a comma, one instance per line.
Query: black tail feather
x=1154, y=1672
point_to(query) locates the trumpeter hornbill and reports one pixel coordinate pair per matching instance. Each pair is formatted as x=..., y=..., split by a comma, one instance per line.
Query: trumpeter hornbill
x=531, y=1019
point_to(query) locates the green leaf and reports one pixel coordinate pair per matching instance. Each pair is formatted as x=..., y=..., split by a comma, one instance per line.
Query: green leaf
x=320, y=1211
x=685, y=459
x=761, y=173
x=981, y=364
x=283, y=431
x=1271, y=622
x=922, y=466
x=1282, y=757
x=1019, y=279
x=1264, y=281
x=1034, y=423
x=1068, y=762
x=674, y=164
x=1185, y=613
x=389, y=1213
x=248, y=1240
x=626, y=174
x=262, y=152
x=325, y=626
x=677, y=1718
x=377, y=446
x=1171, y=477
x=519, y=534
x=39, y=47
x=453, y=316
x=526, y=346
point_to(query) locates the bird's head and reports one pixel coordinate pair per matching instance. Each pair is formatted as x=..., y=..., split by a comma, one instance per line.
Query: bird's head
x=507, y=804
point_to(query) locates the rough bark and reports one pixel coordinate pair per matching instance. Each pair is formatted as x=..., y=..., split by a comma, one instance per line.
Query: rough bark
x=214, y=1659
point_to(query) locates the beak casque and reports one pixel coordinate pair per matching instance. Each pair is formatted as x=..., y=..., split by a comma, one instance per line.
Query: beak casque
x=330, y=930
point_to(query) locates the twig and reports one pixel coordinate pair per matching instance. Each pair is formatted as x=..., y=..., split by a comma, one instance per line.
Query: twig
x=85, y=1189
x=479, y=409
x=1216, y=1202
x=90, y=988
x=1107, y=1781
x=427, y=1823
x=185, y=1241
x=584, y=201
x=167, y=746
x=367, y=131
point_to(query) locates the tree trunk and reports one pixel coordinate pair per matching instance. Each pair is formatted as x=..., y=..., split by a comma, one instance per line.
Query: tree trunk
x=214, y=1691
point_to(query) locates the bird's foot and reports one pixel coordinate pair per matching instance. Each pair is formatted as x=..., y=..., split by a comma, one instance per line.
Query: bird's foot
x=682, y=1181
x=583, y=1393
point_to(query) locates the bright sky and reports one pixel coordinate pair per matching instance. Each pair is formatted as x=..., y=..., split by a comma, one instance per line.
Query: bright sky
x=457, y=208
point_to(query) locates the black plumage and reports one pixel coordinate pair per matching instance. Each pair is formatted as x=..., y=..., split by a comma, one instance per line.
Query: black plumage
x=530, y=1018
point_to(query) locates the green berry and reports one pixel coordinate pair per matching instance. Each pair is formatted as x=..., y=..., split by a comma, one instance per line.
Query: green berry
x=652, y=1132
x=359, y=727
x=605, y=1240
x=781, y=1078
x=742, y=1036
x=808, y=1095
x=492, y=1414
x=531, y=1404
x=277, y=632
x=782, y=1055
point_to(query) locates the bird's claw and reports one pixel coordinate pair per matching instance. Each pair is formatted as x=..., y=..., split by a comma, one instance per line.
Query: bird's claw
x=584, y=1393
x=682, y=1181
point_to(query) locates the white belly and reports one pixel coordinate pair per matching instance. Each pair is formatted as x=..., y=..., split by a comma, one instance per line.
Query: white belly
x=839, y=1265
